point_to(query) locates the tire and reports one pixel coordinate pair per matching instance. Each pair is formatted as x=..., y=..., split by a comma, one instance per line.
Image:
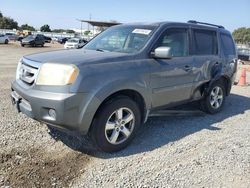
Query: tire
x=214, y=101
x=112, y=137
x=42, y=45
x=6, y=41
x=22, y=45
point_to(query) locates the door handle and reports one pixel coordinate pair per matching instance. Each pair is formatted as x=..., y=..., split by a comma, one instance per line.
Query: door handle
x=187, y=68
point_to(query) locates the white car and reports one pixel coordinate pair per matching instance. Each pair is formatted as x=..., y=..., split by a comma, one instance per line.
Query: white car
x=4, y=39
x=74, y=43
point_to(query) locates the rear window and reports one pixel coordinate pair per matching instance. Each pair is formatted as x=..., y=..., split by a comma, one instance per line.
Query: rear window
x=227, y=45
x=205, y=42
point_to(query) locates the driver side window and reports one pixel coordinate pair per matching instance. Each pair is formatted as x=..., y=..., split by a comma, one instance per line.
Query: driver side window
x=177, y=40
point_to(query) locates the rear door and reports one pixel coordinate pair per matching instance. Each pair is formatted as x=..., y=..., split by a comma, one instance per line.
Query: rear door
x=39, y=39
x=172, y=79
x=205, y=52
x=229, y=54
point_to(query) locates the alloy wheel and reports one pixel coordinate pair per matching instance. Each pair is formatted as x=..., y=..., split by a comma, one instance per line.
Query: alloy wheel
x=119, y=126
x=216, y=97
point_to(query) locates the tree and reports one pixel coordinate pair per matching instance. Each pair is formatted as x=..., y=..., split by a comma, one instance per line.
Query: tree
x=70, y=31
x=7, y=23
x=87, y=32
x=63, y=30
x=45, y=28
x=27, y=27
x=242, y=35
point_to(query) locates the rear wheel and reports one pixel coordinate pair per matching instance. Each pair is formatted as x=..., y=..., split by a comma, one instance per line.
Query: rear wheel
x=6, y=41
x=115, y=124
x=214, y=100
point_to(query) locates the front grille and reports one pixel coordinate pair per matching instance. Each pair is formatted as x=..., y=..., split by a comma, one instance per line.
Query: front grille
x=28, y=73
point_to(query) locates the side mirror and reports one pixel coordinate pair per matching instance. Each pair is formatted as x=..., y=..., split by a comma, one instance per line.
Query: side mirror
x=162, y=52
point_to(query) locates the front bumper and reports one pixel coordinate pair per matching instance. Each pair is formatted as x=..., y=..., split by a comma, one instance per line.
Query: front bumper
x=73, y=111
x=27, y=43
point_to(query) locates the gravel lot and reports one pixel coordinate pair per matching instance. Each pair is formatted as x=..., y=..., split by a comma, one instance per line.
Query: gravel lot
x=174, y=151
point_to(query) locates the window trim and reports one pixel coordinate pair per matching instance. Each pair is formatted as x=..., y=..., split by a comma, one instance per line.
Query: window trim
x=193, y=48
x=187, y=28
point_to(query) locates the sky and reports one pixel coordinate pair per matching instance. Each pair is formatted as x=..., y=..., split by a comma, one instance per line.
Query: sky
x=232, y=14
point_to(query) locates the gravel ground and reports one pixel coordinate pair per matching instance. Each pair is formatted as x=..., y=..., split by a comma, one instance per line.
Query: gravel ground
x=174, y=151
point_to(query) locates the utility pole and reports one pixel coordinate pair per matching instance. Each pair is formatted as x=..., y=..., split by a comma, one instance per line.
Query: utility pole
x=81, y=28
x=89, y=19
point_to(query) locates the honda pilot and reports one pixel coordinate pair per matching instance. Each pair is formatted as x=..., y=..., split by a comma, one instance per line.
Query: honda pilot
x=109, y=88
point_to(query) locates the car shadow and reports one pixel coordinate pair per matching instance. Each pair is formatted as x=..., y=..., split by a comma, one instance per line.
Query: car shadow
x=159, y=131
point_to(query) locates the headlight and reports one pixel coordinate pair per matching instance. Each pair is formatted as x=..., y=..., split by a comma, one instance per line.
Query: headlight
x=18, y=69
x=57, y=74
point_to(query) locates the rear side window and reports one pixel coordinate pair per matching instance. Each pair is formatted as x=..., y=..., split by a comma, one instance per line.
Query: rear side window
x=205, y=42
x=227, y=45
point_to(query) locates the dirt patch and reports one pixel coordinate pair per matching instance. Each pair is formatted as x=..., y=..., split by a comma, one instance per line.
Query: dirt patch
x=36, y=168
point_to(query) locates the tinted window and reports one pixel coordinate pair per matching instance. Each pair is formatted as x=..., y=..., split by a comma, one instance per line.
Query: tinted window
x=205, y=42
x=227, y=45
x=177, y=40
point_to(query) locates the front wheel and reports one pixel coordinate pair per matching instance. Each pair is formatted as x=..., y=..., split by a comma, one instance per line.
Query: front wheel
x=214, y=100
x=6, y=41
x=115, y=124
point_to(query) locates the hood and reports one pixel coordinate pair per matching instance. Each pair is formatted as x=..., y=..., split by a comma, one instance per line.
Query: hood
x=78, y=56
x=27, y=39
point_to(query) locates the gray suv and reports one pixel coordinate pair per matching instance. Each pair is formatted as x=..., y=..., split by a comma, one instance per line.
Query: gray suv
x=108, y=88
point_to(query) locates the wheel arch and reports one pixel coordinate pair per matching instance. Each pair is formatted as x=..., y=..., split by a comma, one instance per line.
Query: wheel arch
x=204, y=88
x=133, y=94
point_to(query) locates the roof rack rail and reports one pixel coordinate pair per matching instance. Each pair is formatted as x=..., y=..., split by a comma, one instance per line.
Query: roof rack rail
x=204, y=23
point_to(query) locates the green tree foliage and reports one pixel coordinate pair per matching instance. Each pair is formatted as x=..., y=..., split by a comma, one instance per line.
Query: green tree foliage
x=7, y=23
x=87, y=32
x=70, y=31
x=27, y=27
x=242, y=35
x=63, y=30
x=45, y=28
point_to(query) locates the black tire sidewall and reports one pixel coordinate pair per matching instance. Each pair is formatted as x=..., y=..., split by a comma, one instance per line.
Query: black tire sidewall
x=98, y=126
x=206, y=103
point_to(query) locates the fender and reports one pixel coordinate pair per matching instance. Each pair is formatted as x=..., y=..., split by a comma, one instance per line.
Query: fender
x=216, y=74
x=125, y=84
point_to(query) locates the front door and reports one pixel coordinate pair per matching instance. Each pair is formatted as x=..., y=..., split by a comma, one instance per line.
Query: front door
x=172, y=79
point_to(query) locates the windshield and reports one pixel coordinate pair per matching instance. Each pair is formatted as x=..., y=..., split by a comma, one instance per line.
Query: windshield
x=125, y=39
x=30, y=37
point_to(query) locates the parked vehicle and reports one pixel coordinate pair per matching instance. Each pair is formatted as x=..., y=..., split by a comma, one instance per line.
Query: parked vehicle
x=11, y=36
x=20, y=38
x=33, y=40
x=62, y=40
x=4, y=39
x=75, y=43
x=244, y=54
x=47, y=39
x=108, y=88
